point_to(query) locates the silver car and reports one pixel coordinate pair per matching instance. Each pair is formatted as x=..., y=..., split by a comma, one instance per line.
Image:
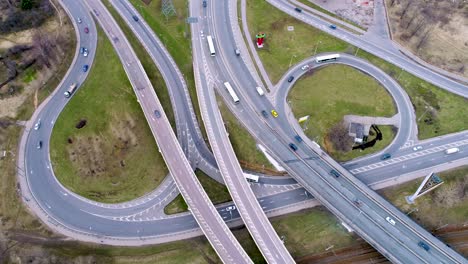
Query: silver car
x=37, y=125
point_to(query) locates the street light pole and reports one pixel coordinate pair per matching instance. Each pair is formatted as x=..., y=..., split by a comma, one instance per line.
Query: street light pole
x=316, y=46
x=290, y=61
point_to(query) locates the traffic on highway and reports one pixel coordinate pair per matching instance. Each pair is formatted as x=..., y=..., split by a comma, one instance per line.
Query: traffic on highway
x=222, y=65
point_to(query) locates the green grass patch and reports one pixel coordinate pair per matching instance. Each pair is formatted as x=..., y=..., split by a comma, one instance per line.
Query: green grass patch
x=217, y=193
x=178, y=205
x=327, y=99
x=311, y=231
x=150, y=68
x=243, y=143
x=438, y=111
x=284, y=48
x=114, y=157
x=197, y=250
x=29, y=75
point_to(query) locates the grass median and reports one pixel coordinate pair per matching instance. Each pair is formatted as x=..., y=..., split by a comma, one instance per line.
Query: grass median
x=113, y=158
x=330, y=93
x=438, y=111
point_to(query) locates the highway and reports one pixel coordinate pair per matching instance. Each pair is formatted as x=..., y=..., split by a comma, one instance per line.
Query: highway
x=263, y=233
x=312, y=171
x=90, y=219
x=213, y=226
x=188, y=130
x=376, y=46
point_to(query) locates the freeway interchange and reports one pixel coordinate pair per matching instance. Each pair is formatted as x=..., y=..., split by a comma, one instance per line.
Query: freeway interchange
x=142, y=221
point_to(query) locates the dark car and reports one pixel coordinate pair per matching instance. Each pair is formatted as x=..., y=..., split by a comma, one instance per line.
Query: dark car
x=332, y=26
x=135, y=18
x=264, y=113
x=357, y=203
x=86, y=30
x=292, y=146
x=291, y=78
x=298, y=138
x=204, y=3
x=335, y=173
x=298, y=9
x=39, y=145
x=82, y=50
x=423, y=245
x=157, y=113
x=85, y=68
x=386, y=156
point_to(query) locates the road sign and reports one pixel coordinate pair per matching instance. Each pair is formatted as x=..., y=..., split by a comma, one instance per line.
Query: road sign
x=429, y=183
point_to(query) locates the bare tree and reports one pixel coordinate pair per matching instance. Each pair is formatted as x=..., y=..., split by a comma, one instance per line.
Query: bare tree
x=421, y=23
x=423, y=39
x=411, y=21
x=405, y=8
x=339, y=137
x=43, y=49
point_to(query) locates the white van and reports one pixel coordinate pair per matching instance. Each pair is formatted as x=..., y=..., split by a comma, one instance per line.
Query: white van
x=260, y=91
x=451, y=150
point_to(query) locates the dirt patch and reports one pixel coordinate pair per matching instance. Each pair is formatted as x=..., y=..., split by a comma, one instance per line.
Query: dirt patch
x=360, y=12
x=454, y=194
x=434, y=30
x=95, y=157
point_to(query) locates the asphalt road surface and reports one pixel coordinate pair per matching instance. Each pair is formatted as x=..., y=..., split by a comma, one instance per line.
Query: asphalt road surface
x=87, y=220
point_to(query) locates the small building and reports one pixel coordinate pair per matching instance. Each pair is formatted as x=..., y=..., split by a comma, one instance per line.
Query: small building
x=356, y=131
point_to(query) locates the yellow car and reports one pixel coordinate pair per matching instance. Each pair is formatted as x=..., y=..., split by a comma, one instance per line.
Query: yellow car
x=274, y=113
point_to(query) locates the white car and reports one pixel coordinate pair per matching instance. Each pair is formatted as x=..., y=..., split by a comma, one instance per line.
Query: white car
x=79, y=20
x=305, y=67
x=85, y=52
x=417, y=148
x=390, y=220
x=230, y=208
x=37, y=125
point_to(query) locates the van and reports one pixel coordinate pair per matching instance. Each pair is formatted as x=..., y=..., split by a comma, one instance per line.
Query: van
x=260, y=91
x=451, y=150
x=292, y=146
